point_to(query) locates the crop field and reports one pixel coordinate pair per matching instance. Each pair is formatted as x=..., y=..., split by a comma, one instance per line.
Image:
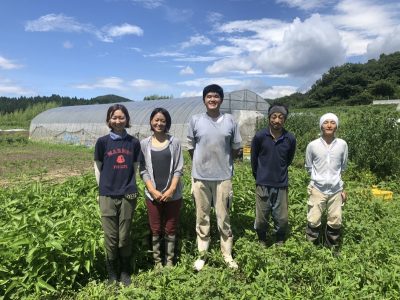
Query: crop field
x=51, y=244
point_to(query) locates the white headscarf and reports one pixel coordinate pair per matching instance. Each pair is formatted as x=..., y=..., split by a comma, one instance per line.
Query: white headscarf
x=328, y=116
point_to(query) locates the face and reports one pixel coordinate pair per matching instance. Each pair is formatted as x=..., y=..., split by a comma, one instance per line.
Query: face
x=276, y=121
x=118, y=121
x=158, y=123
x=328, y=128
x=212, y=101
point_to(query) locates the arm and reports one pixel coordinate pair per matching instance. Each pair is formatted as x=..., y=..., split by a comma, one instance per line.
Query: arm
x=97, y=168
x=308, y=162
x=254, y=156
x=292, y=152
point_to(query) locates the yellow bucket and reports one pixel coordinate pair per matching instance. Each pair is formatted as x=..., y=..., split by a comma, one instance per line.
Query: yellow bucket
x=384, y=195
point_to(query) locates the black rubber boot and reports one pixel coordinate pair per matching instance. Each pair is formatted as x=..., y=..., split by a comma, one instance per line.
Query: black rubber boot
x=125, y=277
x=312, y=234
x=332, y=237
x=262, y=237
x=111, y=266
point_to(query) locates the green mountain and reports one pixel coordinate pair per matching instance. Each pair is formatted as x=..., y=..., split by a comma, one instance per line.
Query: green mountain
x=352, y=84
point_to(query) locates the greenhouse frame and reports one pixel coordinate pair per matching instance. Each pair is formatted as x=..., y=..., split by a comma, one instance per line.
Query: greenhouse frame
x=84, y=124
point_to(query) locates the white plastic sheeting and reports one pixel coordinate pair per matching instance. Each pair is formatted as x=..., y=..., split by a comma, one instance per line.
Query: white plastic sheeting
x=83, y=124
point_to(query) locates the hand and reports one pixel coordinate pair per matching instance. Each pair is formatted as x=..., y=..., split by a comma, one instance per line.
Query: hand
x=167, y=195
x=344, y=196
x=156, y=195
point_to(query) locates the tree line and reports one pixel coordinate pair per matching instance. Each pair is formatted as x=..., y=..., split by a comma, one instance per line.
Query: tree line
x=352, y=84
x=10, y=105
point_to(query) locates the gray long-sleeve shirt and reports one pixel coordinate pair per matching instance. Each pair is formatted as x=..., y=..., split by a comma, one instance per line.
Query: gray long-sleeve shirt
x=176, y=165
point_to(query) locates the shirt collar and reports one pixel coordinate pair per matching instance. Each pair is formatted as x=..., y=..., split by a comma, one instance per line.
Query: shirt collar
x=116, y=137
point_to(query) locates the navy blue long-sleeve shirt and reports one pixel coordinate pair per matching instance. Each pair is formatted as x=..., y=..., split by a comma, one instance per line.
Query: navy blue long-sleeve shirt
x=270, y=159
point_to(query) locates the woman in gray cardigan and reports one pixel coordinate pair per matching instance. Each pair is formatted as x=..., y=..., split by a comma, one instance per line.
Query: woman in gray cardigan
x=161, y=171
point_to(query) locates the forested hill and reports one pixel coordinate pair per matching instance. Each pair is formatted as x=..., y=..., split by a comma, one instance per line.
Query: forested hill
x=352, y=84
x=9, y=105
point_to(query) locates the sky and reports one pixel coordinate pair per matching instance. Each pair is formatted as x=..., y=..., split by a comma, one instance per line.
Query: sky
x=138, y=48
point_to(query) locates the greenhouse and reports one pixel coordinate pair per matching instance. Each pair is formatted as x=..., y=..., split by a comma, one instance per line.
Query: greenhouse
x=83, y=124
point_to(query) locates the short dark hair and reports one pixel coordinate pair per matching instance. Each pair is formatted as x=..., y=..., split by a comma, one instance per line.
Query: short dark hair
x=213, y=88
x=111, y=110
x=166, y=114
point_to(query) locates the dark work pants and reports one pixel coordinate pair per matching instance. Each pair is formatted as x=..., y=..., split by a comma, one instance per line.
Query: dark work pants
x=116, y=220
x=273, y=201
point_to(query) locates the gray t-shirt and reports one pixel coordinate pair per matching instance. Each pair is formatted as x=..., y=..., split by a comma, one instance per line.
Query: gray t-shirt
x=212, y=142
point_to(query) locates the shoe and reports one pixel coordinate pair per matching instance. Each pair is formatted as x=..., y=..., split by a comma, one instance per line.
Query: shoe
x=230, y=262
x=199, y=264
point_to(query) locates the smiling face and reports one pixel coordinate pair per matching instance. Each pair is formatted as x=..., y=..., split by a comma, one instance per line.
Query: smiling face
x=212, y=101
x=276, y=121
x=118, y=121
x=328, y=128
x=159, y=123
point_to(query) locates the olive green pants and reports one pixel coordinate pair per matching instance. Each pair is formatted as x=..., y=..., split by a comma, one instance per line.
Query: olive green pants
x=116, y=219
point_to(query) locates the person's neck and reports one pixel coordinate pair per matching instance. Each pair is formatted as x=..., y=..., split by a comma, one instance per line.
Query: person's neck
x=276, y=133
x=213, y=113
x=328, y=139
x=160, y=136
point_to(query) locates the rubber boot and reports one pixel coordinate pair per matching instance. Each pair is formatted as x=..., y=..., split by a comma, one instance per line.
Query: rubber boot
x=312, y=234
x=226, y=249
x=111, y=266
x=169, y=250
x=262, y=237
x=156, y=244
x=125, y=277
x=332, y=237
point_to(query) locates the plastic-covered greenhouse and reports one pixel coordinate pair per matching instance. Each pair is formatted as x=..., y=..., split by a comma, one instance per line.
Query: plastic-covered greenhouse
x=83, y=124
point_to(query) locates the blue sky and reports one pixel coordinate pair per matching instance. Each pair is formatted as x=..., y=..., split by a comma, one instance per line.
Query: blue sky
x=136, y=48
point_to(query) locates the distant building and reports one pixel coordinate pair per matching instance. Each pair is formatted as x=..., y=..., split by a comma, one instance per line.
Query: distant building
x=85, y=123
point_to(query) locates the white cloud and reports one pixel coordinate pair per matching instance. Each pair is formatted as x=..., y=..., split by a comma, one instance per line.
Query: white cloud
x=214, y=18
x=187, y=71
x=150, y=4
x=165, y=54
x=124, y=29
x=362, y=22
x=191, y=94
x=297, y=49
x=114, y=83
x=232, y=64
x=387, y=44
x=308, y=47
x=305, y=4
x=278, y=91
x=196, y=40
x=196, y=58
x=68, y=45
x=202, y=82
x=8, y=88
x=54, y=22
x=8, y=64
x=145, y=84
x=61, y=23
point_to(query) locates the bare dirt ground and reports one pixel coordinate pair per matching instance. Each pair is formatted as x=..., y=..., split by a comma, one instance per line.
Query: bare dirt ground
x=25, y=162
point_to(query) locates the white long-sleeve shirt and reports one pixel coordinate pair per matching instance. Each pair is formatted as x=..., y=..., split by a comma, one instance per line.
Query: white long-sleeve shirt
x=325, y=163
